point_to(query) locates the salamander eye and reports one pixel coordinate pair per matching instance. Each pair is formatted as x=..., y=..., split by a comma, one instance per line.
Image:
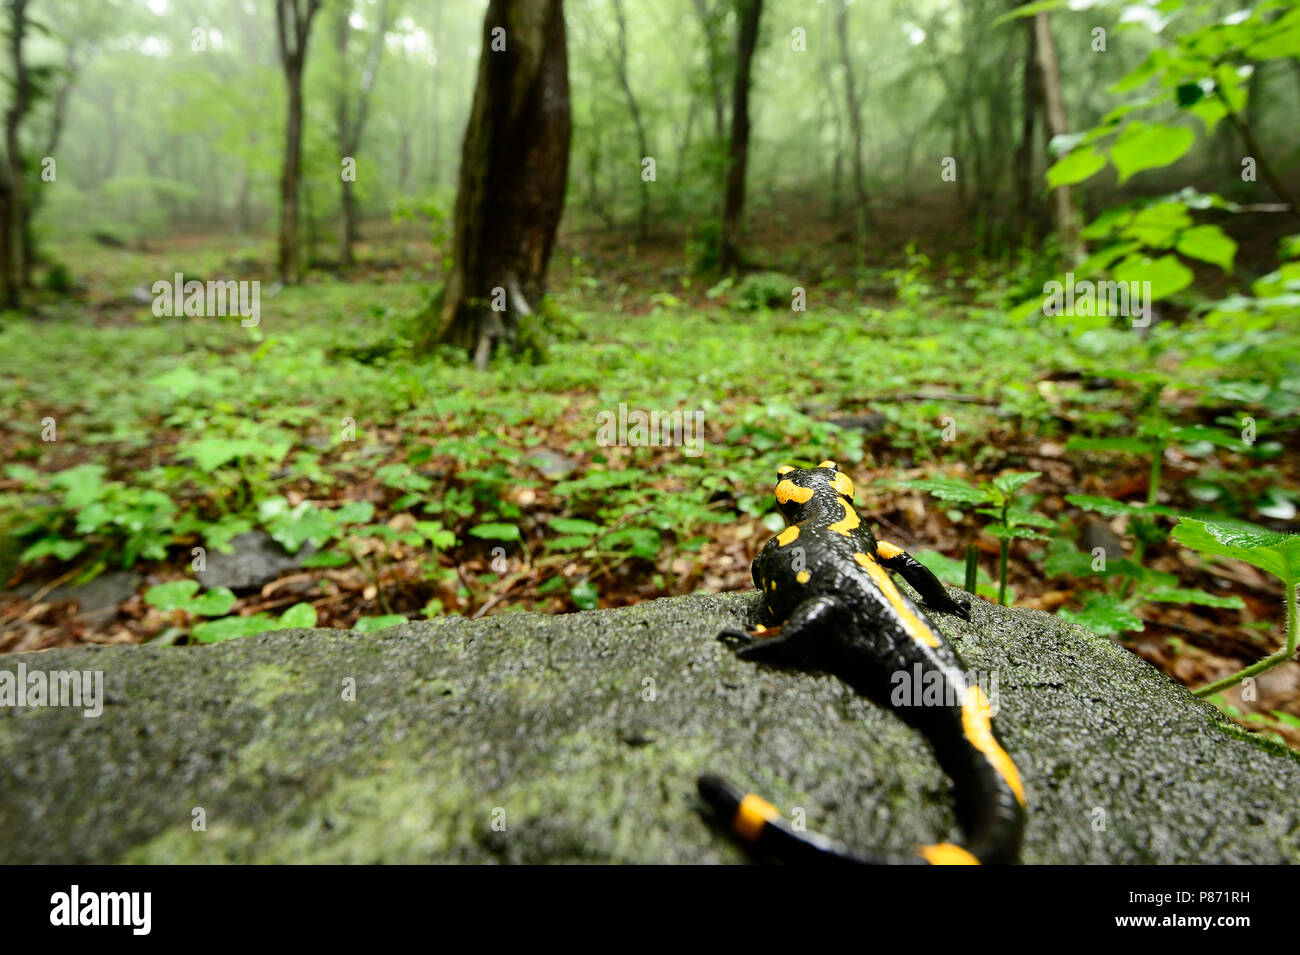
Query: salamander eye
x=784, y=469
x=828, y=464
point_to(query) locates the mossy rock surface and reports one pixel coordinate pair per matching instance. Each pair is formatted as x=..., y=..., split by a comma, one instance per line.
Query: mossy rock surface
x=584, y=733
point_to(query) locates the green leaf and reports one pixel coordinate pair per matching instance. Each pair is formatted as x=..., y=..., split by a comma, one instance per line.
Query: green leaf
x=173, y=595
x=574, y=525
x=1209, y=244
x=230, y=628
x=298, y=616
x=1023, y=517
x=21, y=472
x=1131, y=445
x=1014, y=533
x=1103, y=614
x=1185, y=595
x=951, y=489
x=371, y=624
x=1012, y=481
x=1148, y=146
x=213, y=603
x=327, y=558
x=496, y=532
x=1166, y=274
x=211, y=453
x=51, y=547
x=354, y=512
x=1066, y=560
x=1109, y=507
x=585, y=595
x=1075, y=167
x=1279, y=554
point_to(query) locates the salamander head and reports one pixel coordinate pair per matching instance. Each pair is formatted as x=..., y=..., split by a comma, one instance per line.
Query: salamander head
x=803, y=492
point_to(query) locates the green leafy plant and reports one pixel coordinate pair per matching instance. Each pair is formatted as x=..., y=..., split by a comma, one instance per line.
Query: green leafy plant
x=1278, y=554
x=1010, y=518
x=184, y=595
x=1128, y=586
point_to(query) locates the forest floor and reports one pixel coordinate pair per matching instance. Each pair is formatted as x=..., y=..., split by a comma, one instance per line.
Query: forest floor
x=424, y=487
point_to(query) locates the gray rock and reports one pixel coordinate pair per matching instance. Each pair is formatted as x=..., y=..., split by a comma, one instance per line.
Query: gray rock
x=1096, y=534
x=104, y=592
x=552, y=464
x=873, y=422
x=547, y=719
x=255, y=560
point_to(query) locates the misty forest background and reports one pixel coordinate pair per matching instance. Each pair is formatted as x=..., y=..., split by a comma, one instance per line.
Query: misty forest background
x=827, y=227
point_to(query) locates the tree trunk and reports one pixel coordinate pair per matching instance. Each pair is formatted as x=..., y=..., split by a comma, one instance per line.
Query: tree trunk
x=733, y=209
x=863, y=212
x=643, y=148
x=293, y=27
x=838, y=153
x=351, y=122
x=1032, y=103
x=1068, y=226
x=13, y=263
x=513, y=173
x=709, y=23
x=435, y=161
x=290, y=269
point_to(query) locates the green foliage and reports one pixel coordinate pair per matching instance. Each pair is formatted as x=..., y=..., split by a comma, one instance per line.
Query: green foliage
x=1278, y=554
x=183, y=595
x=1010, y=517
x=763, y=290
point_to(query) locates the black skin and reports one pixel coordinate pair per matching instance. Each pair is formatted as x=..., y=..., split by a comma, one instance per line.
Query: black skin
x=841, y=619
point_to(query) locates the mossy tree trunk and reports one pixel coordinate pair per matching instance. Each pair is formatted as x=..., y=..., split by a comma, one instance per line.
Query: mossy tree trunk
x=513, y=172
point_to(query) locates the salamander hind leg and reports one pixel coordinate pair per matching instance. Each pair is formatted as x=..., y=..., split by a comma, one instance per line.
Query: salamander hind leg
x=802, y=635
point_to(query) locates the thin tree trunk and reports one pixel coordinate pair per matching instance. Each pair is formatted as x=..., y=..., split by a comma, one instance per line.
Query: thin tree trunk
x=708, y=21
x=435, y=161
x=836, y=125
x=686, y=141
x=1068, y=225
x=1031, y=104
x=733, y=209
x=293, y=20
x=13, y=261
x=350, y=127
x=863, y=212
x=643, y=148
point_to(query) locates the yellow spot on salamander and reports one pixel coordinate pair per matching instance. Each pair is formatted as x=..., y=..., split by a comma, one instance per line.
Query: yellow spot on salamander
x=828, y=464
x=789, y=491
x=910, y=621
x=850, y=520
x=887, y=551
x=788, y=536
x=752, y=815
x=784, y=469
x=843, y=484
x=945, y=853
x=803, y=576
x=975, y=714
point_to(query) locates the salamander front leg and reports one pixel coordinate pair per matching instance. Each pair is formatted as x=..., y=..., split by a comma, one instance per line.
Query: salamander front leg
x=918, y=575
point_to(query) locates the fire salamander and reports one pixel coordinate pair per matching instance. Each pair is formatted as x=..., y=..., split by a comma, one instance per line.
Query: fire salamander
x=832, y=604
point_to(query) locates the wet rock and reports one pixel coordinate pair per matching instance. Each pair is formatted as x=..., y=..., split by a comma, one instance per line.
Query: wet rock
x=585, y=732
